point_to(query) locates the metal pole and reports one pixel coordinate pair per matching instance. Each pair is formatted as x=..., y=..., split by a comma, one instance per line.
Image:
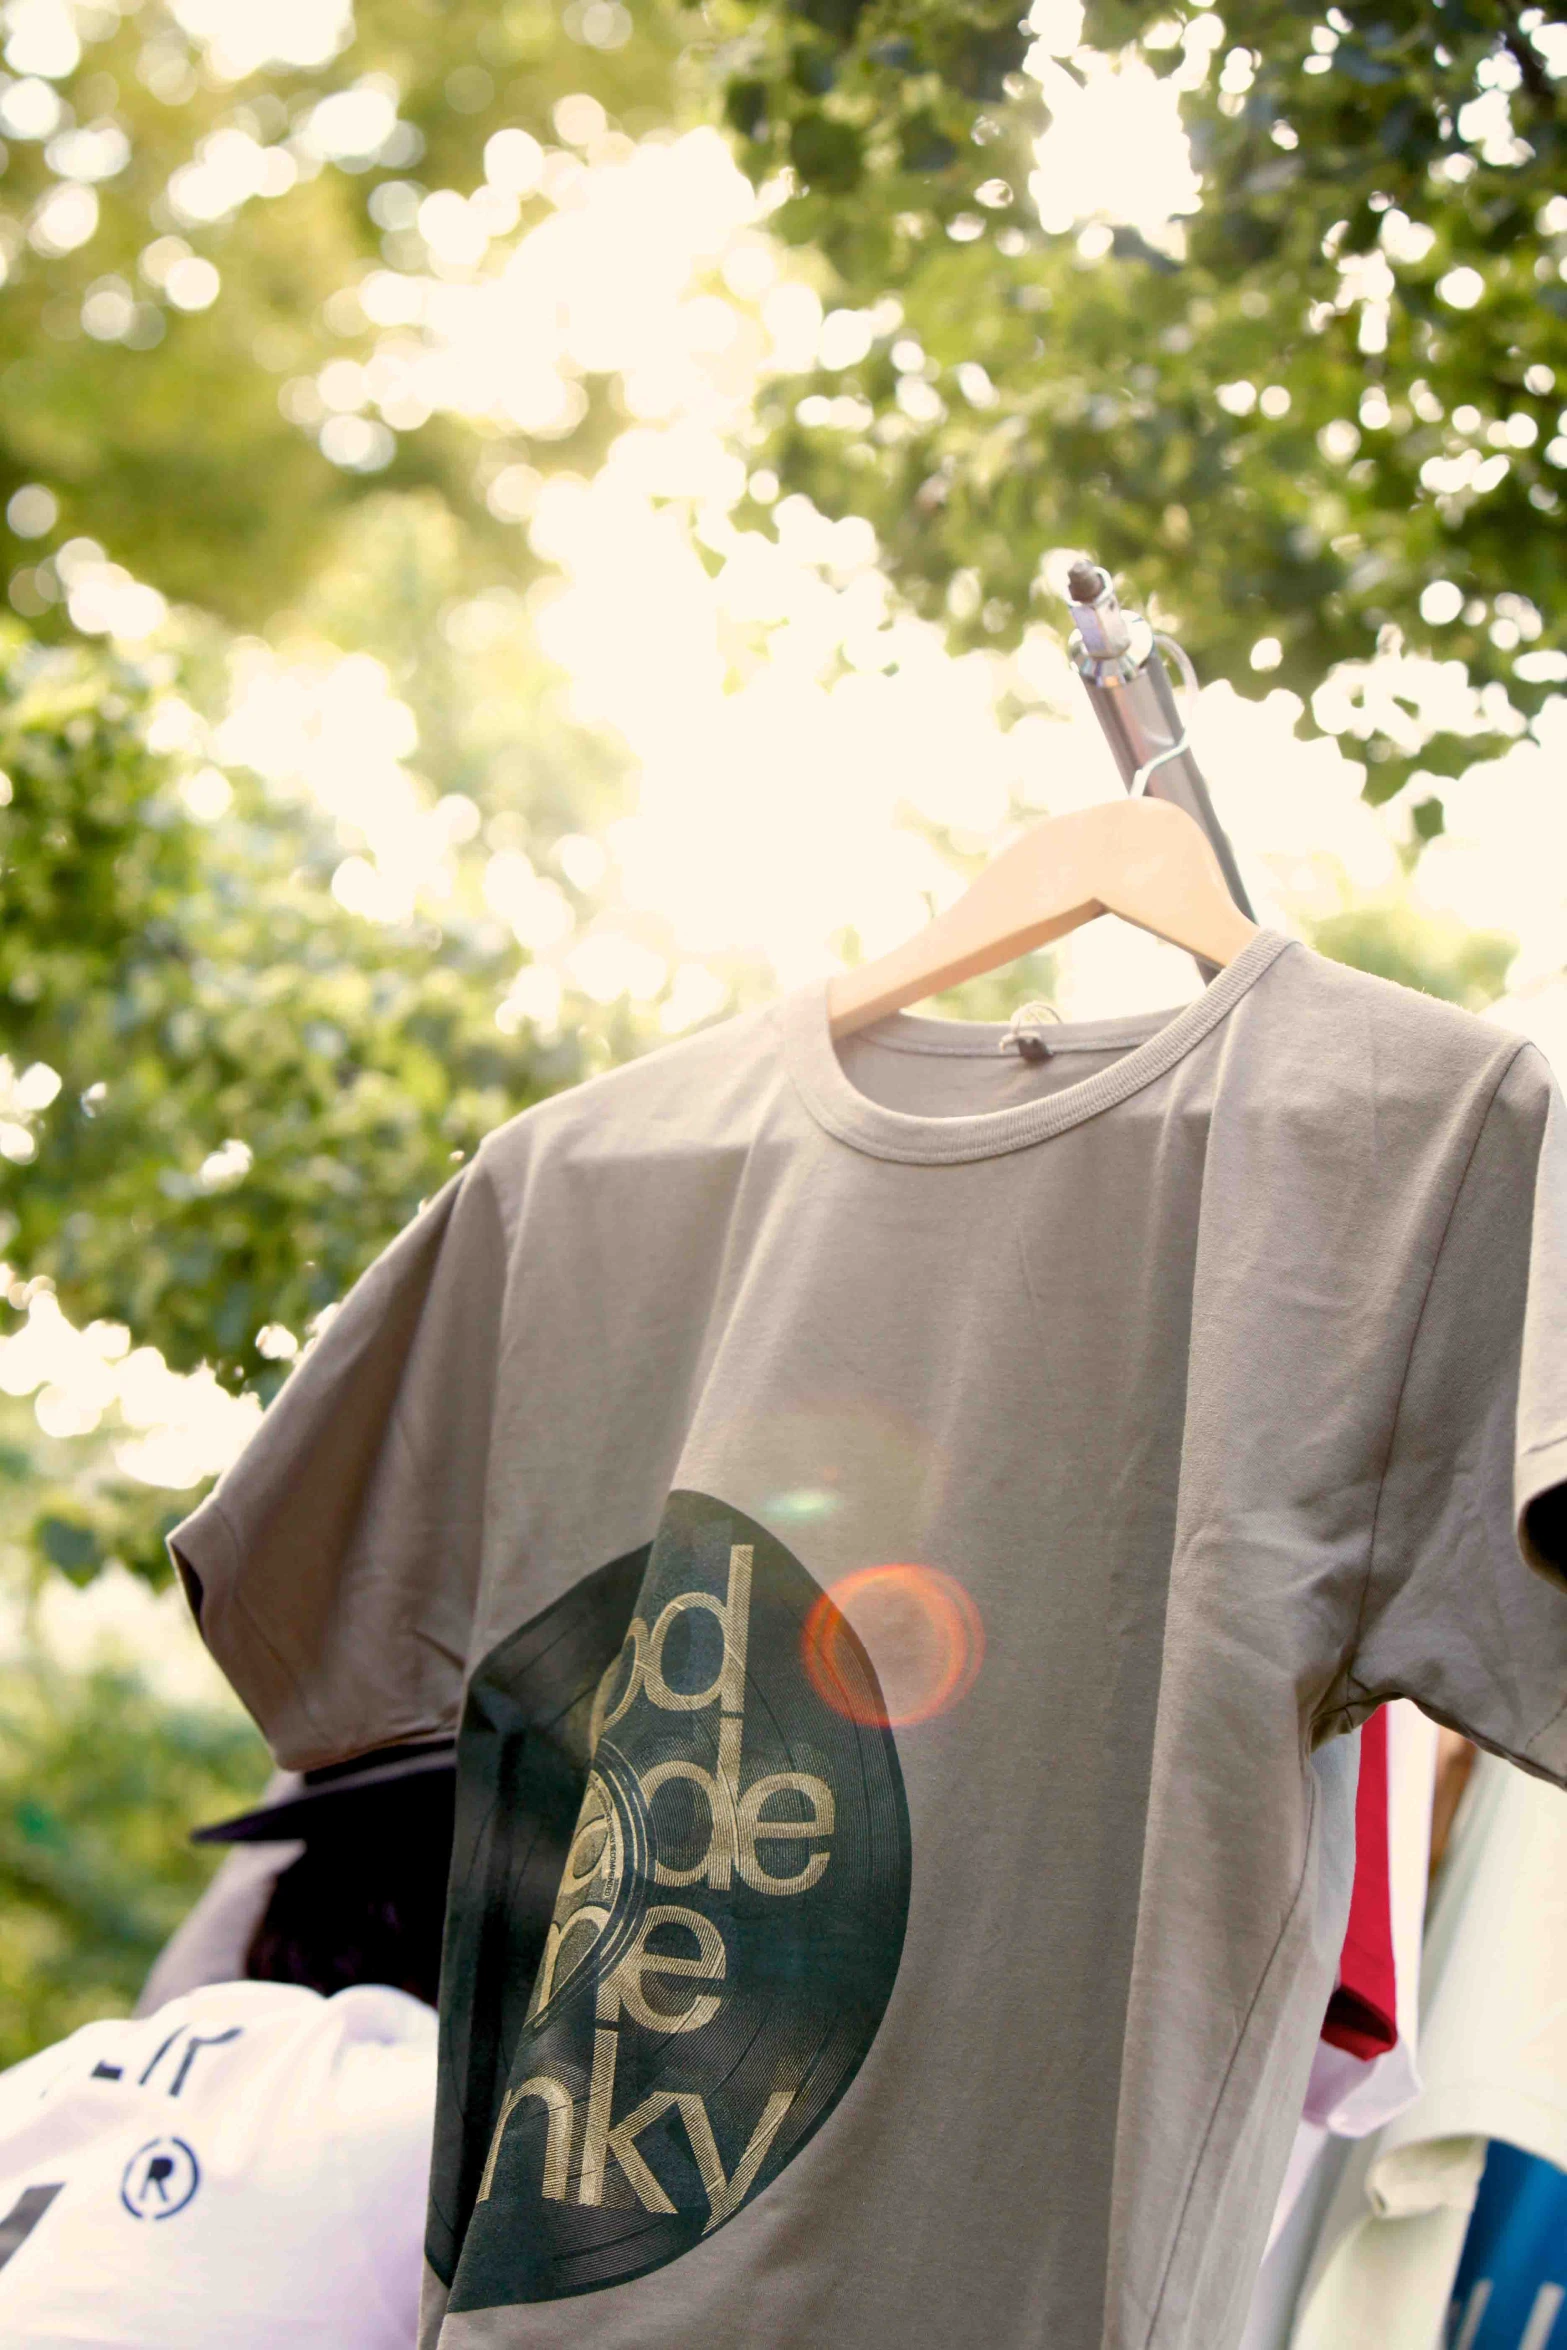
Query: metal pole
x=1117, y=657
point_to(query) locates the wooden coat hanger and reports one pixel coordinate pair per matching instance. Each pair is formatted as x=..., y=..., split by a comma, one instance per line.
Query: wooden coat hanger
x=1143, y=859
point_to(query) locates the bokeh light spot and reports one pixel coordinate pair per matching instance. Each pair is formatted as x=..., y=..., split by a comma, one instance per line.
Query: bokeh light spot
x=803, y=1505
x=924, y=1634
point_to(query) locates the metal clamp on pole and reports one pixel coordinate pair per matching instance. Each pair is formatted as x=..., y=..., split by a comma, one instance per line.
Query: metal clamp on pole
x=1117, y=656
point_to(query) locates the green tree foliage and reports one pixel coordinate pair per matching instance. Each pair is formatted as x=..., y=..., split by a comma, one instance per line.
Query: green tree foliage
x=258, y=1085
x=100, y=1782
x=184, y=230
x=1328, y=413
x=1430, y=952
x=67, y=1509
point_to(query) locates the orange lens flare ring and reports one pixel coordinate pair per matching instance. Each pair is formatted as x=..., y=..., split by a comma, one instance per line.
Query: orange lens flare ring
x=923, y=1633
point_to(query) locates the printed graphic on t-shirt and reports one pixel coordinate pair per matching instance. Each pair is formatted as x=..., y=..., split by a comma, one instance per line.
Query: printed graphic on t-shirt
x=679, y=1900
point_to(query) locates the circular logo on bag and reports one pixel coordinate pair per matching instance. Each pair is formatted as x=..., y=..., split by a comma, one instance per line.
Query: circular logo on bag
x=160, y=2179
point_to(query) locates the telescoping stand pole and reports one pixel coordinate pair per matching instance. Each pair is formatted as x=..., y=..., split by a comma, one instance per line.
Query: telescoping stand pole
x=1117, y=656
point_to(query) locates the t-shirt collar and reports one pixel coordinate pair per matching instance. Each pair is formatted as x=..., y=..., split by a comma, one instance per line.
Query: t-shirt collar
x=1156, y=1042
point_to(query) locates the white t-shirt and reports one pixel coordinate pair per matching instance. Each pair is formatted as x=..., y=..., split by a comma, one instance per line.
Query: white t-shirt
x=247, y=2167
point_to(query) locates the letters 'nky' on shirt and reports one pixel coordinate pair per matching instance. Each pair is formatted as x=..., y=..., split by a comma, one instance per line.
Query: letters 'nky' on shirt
x=899, y=1530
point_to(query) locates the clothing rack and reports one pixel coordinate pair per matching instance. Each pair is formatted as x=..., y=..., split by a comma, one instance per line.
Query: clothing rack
x=1118, y=657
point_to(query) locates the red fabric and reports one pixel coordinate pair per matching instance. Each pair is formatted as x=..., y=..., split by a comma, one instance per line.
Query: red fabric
x=1362, y=2015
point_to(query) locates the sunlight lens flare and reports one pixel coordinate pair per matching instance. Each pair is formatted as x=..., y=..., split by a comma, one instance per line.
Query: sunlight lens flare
x=924, y=1633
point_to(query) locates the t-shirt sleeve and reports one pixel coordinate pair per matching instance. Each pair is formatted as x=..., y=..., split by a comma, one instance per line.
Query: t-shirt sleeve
x=1466, y=1601
x=334, y=1567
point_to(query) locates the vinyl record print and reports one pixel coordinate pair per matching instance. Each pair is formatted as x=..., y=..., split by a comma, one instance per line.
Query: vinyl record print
x=679, y=1901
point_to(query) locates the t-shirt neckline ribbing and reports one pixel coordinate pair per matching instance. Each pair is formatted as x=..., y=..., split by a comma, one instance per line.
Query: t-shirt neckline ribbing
x=1156, y=1040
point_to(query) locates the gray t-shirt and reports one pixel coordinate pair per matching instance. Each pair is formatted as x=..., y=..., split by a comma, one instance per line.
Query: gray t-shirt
x=901, y=1528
